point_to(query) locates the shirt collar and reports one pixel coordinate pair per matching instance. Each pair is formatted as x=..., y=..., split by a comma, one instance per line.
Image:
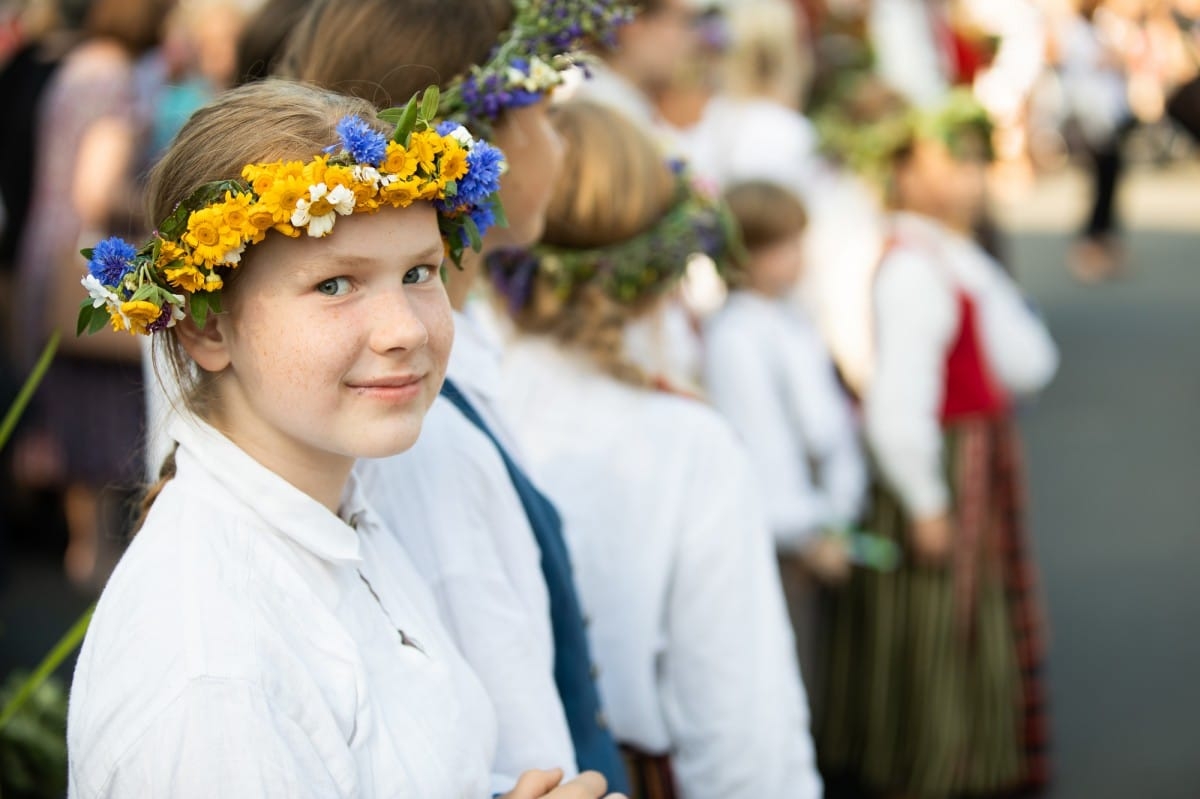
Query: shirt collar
x=283, y=507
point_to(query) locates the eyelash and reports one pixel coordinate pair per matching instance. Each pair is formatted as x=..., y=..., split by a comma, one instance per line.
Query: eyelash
x=428, y=273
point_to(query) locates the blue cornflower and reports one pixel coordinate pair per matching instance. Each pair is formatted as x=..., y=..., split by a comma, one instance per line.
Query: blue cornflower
x=112, y=260
x=483, y=217
x=483, y=174
x=363, y=142
x=446, y=127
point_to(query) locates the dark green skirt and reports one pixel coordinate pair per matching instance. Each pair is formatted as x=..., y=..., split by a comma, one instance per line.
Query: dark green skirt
x=927, y=672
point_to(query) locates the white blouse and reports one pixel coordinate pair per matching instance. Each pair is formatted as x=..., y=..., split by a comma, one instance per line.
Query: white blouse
x=252, y=644
x=769, y=374
x=676, y=566
x=916, y=320
x=452, y=505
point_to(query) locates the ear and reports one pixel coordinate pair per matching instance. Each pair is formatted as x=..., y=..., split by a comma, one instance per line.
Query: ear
x=207, y=346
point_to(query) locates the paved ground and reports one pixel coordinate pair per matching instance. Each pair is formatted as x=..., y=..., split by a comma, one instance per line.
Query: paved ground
x=1114, y=449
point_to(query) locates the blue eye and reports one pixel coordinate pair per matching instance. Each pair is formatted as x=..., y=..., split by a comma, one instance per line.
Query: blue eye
x=419, y=274
x=334, y=287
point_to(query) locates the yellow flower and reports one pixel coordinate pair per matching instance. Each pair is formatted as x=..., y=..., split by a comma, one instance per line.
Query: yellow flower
x=401, y=193
x=398, y=161
x=281, y=198
x=260, y=176
x=314, y=170
x=262, y=219
x=186, y=277
x=141, y=314
x=454, y=161
x=169, y=253
x=432, y=189
x=209, y=239
x=425, y=146
x=213, y=282
x=235, y=214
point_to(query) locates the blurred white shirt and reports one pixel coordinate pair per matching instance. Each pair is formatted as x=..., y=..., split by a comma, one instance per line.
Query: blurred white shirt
x=768, y=372
x=676, y=566
x=252, y=643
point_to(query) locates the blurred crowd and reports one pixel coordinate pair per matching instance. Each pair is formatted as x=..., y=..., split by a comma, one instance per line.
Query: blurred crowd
x=864, y=338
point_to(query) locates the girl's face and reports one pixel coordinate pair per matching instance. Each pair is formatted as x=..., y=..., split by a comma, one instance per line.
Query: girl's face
x=935, y=183
x=331, y=349
x=535, y=158
x=775, y=269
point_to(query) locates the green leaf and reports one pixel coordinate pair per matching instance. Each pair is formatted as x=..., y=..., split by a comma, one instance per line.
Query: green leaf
x=100, y=317
x=85, y=317
x=472, y=233
x=498, y=212
x=199, y=305
x=65, y=646
x=429, y=103
x=87, y=252
x=451, y=190
x=407, y=120
x=391, y=115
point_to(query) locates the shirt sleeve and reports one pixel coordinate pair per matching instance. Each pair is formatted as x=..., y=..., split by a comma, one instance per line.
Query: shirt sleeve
x=1019, y=348
x=731, y=690
x=915, y=318
x=743, y=386
x=224, y=738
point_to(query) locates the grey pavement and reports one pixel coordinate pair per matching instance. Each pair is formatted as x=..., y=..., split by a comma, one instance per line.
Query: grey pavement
x=1114, y=461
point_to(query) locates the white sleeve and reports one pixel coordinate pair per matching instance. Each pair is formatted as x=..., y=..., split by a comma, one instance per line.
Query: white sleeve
x=830, y=430
x=745, y=388
x=915, y=320
x=731, y=690
x=1019, y=348
x=224, y=738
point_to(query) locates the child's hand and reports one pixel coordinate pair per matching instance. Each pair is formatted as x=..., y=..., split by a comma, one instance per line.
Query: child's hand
x=828, y=559
x=932, y=538
x=538, y=784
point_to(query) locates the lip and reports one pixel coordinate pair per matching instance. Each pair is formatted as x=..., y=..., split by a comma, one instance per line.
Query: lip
x=393, y=388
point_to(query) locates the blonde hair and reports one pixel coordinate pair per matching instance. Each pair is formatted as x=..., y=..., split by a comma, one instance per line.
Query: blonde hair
x=767, y=57
x=387, y=50
x=766, y=214
x=615, y=184
x=263, y=121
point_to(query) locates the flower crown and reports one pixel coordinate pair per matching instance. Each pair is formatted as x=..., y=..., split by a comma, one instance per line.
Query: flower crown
x=541, y=44
x=182, y=268
x=646, y=265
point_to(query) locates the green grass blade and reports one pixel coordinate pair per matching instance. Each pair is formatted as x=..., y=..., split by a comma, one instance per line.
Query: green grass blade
x=26, y=392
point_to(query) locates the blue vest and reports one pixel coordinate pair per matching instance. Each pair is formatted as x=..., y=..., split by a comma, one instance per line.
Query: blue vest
x=595, y=748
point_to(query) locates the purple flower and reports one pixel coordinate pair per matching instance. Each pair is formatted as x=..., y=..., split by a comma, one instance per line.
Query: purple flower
x=365, y=144
x=162, y=322
x=112, y=260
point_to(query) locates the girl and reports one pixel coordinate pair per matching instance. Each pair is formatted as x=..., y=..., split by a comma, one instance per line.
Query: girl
x=769, y=373
x=933, y=668
x=674, y=559
x=488, y=540
x=263, y=635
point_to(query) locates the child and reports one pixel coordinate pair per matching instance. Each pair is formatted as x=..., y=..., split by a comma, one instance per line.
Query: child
x=933, y=685
x=489, y=542
x=769, y=374
x=673, y=559
x=263, y=635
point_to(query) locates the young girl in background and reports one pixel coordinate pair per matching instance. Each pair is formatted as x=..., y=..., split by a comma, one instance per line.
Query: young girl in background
x=768, y=372
x=673, y=557
x=263, y=635
x=933, y=669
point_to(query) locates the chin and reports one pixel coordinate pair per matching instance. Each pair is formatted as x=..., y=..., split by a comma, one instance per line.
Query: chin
x=386, y=443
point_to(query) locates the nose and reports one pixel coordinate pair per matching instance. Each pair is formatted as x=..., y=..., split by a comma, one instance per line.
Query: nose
x=395, y=323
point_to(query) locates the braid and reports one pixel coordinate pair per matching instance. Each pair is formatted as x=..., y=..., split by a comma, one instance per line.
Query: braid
x=165, y=474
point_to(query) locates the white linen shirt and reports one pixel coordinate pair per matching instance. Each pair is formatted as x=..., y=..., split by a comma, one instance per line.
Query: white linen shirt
x=253, y=644
x=452, y=505
x=676, y=567
x=769, y=374
x=916, y=320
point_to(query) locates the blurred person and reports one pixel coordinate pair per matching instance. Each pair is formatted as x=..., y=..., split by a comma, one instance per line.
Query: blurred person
x=1096, y=89
x=261, y=42
x=264, y=635
x=489, y=541
x=769, y=373
x=934, y=670
x=89, y=142
x=663, y=519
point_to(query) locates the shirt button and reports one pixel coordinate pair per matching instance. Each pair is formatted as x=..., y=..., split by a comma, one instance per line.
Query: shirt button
x=594, y=672
x=601, y=720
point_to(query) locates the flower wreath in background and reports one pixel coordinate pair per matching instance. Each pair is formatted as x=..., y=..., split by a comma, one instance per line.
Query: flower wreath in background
x=644, y=266
x=181, y=270
x=544, y=41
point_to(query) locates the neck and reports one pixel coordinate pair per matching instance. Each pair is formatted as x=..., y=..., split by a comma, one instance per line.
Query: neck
x=321, y=475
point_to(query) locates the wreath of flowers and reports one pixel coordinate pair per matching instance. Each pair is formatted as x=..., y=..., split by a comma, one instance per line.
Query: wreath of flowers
x=182, y=268
x=643, y=266
x=542, y=43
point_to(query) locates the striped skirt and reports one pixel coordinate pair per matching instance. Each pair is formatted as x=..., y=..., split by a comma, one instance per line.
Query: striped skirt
x=932, y=676
x=650, y=776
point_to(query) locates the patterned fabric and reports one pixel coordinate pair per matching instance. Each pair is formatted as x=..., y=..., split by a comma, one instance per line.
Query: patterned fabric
x=933, y=675
x=650, y=775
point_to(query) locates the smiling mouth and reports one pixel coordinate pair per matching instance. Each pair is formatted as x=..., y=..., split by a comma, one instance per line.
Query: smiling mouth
x=392, y=389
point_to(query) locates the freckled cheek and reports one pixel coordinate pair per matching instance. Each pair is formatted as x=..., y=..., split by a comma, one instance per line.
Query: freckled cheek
x=297, y=352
